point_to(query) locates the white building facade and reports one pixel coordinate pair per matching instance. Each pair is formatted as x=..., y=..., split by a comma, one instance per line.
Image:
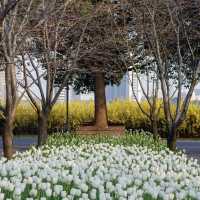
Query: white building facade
x=122, y=91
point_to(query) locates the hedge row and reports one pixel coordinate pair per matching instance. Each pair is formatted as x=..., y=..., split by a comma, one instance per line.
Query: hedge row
x=119, y=112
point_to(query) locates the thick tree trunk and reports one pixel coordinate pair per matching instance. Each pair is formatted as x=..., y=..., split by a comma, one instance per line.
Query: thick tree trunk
x=42, y=128
x=11, y=96
x=8, y=138
x=101, y=119
x=171, y=140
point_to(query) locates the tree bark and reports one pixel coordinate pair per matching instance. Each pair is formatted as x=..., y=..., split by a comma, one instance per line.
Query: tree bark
x=171, y=140
x=10, y=5
x=8, y=138
x=42, y=128
x=154, y=128
x=101, y=119
x=9, y=113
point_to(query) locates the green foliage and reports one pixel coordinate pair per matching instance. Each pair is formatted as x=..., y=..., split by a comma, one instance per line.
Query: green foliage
x=84, y=83
x=119, y=112
x=140, y=138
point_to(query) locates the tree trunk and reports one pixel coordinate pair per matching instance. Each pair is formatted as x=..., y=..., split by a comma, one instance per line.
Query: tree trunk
x=101, y=119
x=10, y=80
x=171, y=140
x=42, y=128
x=8, y=138
x=154, y=128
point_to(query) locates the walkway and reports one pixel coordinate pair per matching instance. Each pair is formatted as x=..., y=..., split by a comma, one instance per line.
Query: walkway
x=21, y=143
x=192, y=147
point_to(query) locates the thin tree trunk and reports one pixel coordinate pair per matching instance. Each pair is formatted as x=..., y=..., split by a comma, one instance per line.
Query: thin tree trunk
x=171, y=140
x=42, y=128
x=101, y=119
x=154, y=128
x=10, y=5
x=8, y=138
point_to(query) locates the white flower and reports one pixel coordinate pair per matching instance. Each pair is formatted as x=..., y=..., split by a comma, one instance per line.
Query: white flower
x=3, y=171
x=63, y=194
x=132, y=197
x=102, y=196
x=17, y=191
x=48, y=192
x=84, y=187
x=2, y=196
x=54, y=180
x=58, y=189
x=182, y=194
x=75, y=192
x=128, y=171
x=85, y=196
x=110, y=187
x=33, y=192
x=192, y=193
x=93, y=194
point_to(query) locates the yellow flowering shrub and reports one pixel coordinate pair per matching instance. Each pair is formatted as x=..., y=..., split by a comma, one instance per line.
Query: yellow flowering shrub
x=123, y=112
x=26, y=116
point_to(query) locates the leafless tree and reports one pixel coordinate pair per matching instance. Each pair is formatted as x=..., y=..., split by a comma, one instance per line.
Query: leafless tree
x=6, y=7
x=140, y=65
x=12, y=33
x=47, y=59
x=171, y=33
x=149, y=86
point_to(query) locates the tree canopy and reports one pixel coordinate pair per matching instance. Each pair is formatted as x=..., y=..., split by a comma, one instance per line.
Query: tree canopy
x=100, y=43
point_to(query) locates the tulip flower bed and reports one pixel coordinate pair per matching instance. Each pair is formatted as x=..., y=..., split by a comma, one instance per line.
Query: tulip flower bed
x=141, y=138
x=99, y=170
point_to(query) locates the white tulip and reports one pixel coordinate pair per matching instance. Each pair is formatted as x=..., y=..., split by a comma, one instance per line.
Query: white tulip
x=93, y=194
x=2, y=196
x=48, y=192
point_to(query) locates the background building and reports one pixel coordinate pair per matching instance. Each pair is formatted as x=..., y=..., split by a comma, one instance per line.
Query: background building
x=122, y=91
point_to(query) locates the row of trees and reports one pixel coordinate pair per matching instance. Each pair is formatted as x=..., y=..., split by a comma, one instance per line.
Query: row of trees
x=54, y=41
x=93, y=43
x=169, y=31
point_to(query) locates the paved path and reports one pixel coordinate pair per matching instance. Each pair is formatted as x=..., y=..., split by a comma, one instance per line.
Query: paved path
x=21, y=143
x=192, y=147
